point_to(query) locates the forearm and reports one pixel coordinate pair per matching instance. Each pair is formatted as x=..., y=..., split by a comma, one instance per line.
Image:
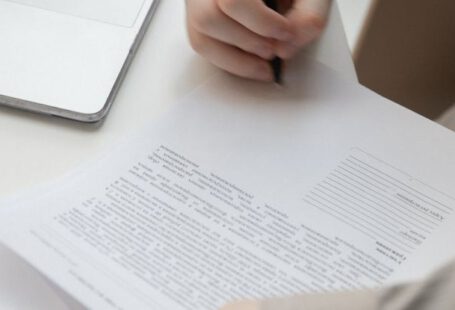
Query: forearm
x=435, y=293
x=361, y=300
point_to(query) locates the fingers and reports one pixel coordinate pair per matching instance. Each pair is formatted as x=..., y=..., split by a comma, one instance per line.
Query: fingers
x=239, y=36
x=230, y=58
x=219, y=26
x=255, y=16
x=308, y=19
x=245, y=305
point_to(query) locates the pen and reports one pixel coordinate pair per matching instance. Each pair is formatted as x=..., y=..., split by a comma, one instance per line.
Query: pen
x=276, y=63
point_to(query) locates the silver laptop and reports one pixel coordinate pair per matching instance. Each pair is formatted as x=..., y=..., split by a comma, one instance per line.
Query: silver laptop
x=68, y=57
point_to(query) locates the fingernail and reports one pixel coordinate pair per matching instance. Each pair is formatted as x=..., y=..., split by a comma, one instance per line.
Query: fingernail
x=264, y=51
x=263, y=73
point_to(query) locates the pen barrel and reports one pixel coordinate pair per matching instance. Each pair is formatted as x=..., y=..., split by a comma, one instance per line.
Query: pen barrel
x=275, y=63
x=272, y=4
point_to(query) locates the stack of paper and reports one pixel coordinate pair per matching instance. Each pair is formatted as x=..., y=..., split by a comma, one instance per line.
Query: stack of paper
x=247, y=190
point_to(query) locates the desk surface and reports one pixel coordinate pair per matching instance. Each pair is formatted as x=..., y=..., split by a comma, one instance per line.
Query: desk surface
x=36, y=149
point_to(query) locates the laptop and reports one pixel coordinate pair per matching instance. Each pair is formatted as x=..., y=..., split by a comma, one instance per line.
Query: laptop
x=67, y=58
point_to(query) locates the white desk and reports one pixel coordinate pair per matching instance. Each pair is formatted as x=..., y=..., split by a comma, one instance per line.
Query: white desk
x=36, y=149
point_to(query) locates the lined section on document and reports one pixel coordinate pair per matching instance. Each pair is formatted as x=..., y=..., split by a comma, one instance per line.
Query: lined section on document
x=380, y=201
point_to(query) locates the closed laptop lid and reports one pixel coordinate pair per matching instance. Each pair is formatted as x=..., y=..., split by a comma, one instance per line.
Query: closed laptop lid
x=66, y=55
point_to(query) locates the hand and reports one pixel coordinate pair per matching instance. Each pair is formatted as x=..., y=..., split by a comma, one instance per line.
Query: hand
x=243, y=305
x=240, y=36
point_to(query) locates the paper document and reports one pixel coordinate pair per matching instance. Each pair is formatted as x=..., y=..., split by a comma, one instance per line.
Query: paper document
x=247, y=190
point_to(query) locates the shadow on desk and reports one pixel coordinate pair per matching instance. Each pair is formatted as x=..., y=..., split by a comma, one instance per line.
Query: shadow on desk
x=48, y=119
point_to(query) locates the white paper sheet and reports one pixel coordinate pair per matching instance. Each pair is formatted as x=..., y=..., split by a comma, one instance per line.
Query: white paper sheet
x=247, y=190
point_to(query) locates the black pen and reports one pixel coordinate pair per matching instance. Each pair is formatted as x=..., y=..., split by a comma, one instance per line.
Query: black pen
x=276, y=63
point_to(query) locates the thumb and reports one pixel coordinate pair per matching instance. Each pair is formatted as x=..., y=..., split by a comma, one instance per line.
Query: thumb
x=308, y=19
